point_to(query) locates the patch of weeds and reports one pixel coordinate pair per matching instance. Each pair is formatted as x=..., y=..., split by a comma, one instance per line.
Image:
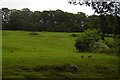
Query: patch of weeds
x=88, y=60
x=71, y=68
x=40, y=68
x=10, y=74
x=13, y=77
x=6, y=73
x=101, y=69
x=74, y=35
x=31, y=77
x=25, y=68
x=105, y=72
x=59, y=74
x=61, y=68
x=33, y=33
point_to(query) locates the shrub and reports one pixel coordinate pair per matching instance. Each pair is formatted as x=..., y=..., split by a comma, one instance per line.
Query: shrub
x=90, y=40
x=99, y=46
x=33, y=33
x=73, y=35
x=116, y=46
x=81, y=44
x=93, y=34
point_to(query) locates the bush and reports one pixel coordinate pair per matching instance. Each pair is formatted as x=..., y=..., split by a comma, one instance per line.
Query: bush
x=73, y=35
x=90, y=40
x=93, y=34
x=116, y=46
x=33, y=33
x=81, y=44
x=99, y=46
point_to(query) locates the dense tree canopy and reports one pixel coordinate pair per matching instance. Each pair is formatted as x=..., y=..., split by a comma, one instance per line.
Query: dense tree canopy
x=57, y=20
x=107, y=9
x=100, y=6
x=42, y=21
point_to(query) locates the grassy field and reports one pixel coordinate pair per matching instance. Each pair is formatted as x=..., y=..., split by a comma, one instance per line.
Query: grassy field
x=52, y=55
x=0, y=54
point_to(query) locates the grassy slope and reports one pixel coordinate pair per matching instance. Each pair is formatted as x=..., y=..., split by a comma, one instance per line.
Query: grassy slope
x=0, y=54
x=23, y=53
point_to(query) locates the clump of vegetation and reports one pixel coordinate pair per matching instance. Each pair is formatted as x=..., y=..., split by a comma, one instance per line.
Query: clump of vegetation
x=99, y=46
x=33, y=33
x=73, y=35
x=91, y=40
x=113, y=44
x=117, y=46
x=88, y=60
x=60, y=68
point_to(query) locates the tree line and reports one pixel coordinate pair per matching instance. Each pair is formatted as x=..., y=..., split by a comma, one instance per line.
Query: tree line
x=57, y=21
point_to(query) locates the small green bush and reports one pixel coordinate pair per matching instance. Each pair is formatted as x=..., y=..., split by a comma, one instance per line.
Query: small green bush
x=73, y=35
x=91, y=40
x=113, y=44
x=82, y=44
x=33, y=33
x=116, y=46
x=93, y=34
x=99, y=46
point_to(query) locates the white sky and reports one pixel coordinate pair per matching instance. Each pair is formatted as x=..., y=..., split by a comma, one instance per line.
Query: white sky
x=40, y=5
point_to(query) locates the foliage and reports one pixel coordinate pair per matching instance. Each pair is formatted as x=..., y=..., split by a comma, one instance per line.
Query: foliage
x=113, y=44
x=82, y=44
x=100, y=7
x=33, y=33
x=93, y=34
x=99, y=46
x=57, y=21
x=104, y=8
x=116, y=46
x=108, y=24
x=73, y=35
x=91, y=40
x=42, y=21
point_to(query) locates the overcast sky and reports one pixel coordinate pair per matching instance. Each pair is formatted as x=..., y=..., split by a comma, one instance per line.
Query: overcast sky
x=41, y=5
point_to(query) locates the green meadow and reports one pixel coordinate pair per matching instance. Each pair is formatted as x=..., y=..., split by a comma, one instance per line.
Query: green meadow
x=52, y=55
x=0, y=54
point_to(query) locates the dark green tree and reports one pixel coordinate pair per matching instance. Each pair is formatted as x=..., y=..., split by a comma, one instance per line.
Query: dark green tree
x=5, y=17
x=102, y=8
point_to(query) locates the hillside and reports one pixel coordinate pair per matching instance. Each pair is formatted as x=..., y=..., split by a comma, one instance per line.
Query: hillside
x=52, y=55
